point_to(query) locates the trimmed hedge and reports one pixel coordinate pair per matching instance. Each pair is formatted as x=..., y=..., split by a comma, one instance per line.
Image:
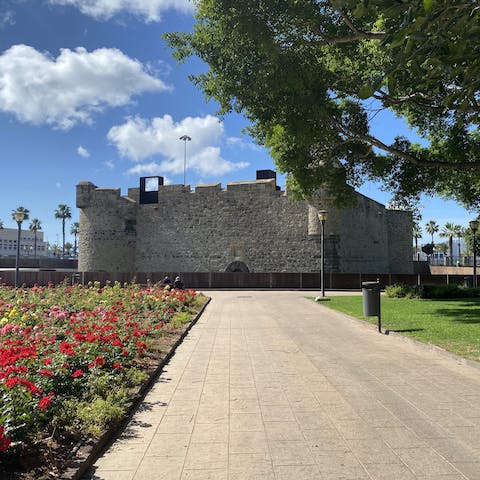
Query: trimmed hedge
x=431, y=291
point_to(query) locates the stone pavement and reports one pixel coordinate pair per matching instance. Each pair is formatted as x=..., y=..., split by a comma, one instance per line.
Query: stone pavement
x=269, y=385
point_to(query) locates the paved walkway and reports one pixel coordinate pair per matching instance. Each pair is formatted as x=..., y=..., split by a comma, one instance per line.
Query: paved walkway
x=269, y=385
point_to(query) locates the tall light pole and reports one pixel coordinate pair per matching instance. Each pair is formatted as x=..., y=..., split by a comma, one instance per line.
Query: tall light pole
x=19, y=217
x=474, y=228
x=322, y=216
x=186, y=139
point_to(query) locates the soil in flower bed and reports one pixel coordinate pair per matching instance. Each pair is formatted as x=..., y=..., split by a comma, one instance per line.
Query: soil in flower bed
x=47, y=459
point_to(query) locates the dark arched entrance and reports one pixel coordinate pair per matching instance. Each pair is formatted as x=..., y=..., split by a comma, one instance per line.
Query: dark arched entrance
x=237, y=266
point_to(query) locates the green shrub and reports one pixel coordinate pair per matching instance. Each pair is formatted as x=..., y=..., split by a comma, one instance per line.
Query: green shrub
x=95, y=416
x=400, y=291
x=446, y=291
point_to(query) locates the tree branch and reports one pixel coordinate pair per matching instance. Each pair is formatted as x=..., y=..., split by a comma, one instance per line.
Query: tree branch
x=408, y=156
x=422, y=101
x=349, y=39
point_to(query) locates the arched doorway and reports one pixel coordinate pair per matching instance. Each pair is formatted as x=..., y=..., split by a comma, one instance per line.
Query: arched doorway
x=237, y=266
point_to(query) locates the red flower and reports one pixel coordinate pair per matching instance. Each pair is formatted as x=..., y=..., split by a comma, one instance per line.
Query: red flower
x=47, y=373
x=77, y=373
x=117, y=365
x=45, y=402
x=98, y=362
x=47, y=361
x=67, y=348
x=4, y=441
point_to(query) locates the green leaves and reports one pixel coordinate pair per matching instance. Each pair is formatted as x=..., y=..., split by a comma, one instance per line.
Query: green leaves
x=365, y=92
x=288, y=66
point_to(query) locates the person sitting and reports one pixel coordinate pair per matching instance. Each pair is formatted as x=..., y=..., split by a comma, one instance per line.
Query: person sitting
x=166, y=282
x=178, y=283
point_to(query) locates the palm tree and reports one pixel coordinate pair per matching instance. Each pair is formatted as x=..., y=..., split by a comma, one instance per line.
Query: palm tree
x=34, y=226
x=68, y=248
x=432, y=228
x=63, y=212
x=75, y=230
x=449, y=231
x=417, y=233
x=1, y=225
x=25, y=211
x=55, y=249
x=459, y=233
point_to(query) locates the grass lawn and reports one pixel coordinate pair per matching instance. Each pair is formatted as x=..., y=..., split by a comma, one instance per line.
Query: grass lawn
x=451, y=324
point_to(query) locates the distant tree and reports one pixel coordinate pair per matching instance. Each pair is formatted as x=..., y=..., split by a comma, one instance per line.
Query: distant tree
x=55, y=250
x=25, y=211
x=75, y=230
x=442, y=247
x=432, y=228
x=63, y=212
x=1, y=225
x=459, y=233
x=34, y=226
x=449, y=231
x=417, y=233
x=68, y=248
x=427, y=249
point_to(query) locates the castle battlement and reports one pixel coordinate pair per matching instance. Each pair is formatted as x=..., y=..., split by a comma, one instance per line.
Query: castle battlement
x=88, y=194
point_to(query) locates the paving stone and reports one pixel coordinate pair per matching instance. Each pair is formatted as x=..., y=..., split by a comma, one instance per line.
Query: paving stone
x=168, y=445
x=160, y=468
x=210, y=456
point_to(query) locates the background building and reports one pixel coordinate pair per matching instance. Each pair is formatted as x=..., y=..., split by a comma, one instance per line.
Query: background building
x=8, y=243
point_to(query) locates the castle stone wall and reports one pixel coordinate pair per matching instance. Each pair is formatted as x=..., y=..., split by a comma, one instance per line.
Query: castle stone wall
x=247, y=226
x=107, y=239
x=210, y=229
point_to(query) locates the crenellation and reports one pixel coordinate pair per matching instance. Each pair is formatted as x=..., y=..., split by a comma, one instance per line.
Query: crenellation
x=208, y=188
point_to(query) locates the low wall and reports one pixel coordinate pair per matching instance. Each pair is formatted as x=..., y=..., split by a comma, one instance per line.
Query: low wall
x=218, y=280
x=29, y=262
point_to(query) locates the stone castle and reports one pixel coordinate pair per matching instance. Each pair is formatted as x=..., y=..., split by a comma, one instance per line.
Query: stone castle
x=248, y=226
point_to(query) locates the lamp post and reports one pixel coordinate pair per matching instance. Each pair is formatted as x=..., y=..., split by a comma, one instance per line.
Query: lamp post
x=474, y=228
x=19, y=217
x=322, y=216
x=186, y=139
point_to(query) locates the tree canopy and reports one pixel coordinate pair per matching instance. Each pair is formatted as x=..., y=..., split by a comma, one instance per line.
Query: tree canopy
x=311, y=75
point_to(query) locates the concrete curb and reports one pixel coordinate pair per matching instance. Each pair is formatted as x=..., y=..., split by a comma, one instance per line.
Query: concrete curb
x=86, y=455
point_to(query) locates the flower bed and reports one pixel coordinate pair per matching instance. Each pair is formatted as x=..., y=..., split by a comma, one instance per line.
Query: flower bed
x=70, y=357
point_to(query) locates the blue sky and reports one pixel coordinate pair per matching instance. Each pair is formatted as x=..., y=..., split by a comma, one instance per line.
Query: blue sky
x=89, y=91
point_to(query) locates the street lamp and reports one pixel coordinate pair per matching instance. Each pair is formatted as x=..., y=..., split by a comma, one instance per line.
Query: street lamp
x=474, y=228
x=18, y=217
x=322, y=216
x=186, y=139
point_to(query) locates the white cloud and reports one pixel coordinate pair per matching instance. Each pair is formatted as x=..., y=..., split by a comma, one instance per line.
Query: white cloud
x=68, y=90
x=58, y=185
x=109, y=164
x=83, y=152
x=149, y=10
x=7, y=18
x=140, y=139
x=237, y=142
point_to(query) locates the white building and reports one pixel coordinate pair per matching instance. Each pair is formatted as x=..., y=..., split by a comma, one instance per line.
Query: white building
x=8, y=243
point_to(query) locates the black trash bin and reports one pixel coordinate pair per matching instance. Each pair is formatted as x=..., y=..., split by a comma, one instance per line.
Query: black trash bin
x=371, y=299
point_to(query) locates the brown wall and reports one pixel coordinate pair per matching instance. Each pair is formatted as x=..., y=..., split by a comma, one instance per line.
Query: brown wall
x=218, y=280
